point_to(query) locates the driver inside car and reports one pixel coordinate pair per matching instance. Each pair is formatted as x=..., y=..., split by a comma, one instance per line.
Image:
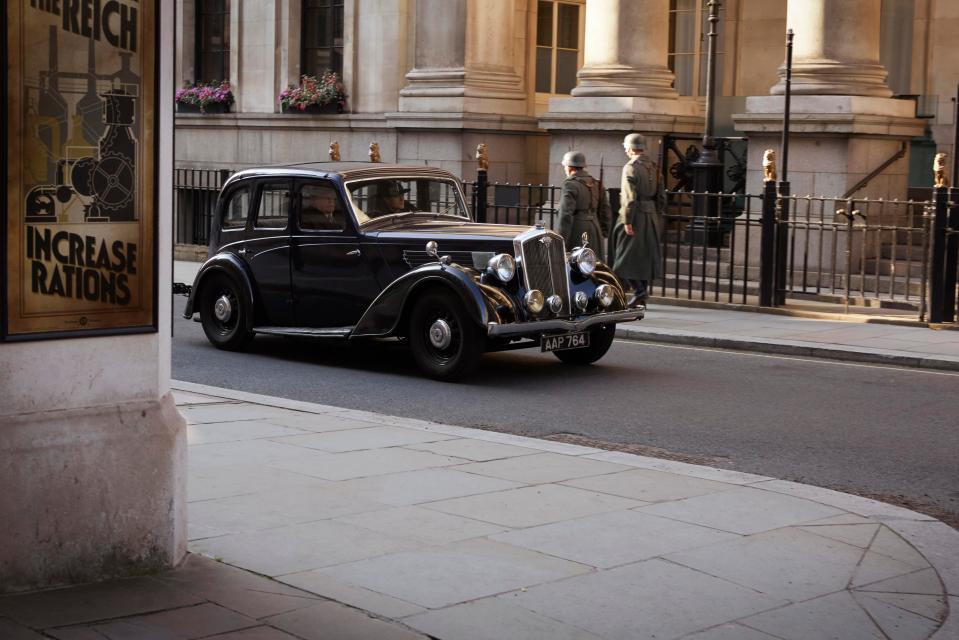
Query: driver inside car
x=392, y=198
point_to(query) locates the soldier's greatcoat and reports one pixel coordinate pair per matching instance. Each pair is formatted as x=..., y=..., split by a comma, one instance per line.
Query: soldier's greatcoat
x=583, y=208
x=643, y=201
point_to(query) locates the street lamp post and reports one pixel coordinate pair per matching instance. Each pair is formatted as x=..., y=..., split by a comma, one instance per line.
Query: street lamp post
x=708, y=169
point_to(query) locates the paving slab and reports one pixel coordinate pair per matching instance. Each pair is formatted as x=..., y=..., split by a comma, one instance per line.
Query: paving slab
x=612, y=539
x=648, y=485
x=639, y=601
x=541, y=468
x=532, y=506
x=474, y=450
x=787, y=563
x=742, y=510
x=422, y=525
x=459, y=572
x=424, y=485
x=113, y=599
x=376, y=603
x=836, y=616
x=334, y=621
x=296, y=548
x=278, y=508
x=360, y=439
x=492, y=619
x=233, y=431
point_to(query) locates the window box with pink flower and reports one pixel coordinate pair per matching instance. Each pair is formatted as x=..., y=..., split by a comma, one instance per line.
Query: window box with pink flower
x=314, y=95
x=212, y=97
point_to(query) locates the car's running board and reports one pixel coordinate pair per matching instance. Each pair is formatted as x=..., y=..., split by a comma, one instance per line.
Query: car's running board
x=305, y=332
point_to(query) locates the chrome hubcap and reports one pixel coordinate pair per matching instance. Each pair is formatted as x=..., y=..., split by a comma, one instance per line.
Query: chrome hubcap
x=440, y=334
x=222, y=309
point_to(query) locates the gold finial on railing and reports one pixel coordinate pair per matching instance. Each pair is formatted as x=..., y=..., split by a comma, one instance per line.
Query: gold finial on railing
x=482, y=156
x=375, y=152
x=334, y=151
x=769, y=165
x=939, y=164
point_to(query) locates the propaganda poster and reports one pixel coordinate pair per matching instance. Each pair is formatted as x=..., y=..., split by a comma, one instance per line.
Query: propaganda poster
x=81, y=167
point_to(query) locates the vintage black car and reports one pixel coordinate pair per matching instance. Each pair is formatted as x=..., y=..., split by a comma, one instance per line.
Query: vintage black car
x=362, y=251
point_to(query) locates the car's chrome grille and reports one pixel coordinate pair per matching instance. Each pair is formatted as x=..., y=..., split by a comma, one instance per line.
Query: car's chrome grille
x=544, y=266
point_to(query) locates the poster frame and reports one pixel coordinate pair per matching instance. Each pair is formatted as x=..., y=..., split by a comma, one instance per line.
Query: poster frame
x=153, y=325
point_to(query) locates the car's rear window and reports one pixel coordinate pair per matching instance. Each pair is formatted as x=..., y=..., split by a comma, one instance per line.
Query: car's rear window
x=237, y=209
x=274, y=209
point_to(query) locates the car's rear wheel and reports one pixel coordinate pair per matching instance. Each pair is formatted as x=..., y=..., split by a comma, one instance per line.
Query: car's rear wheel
x=223, y=313
x=600, y=340
x=446, y=343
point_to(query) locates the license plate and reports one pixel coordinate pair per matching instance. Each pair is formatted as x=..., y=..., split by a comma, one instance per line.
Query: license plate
x=576, y=340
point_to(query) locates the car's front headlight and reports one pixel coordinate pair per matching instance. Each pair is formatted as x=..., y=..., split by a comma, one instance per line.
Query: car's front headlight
x=585, y=260
x=503, y=266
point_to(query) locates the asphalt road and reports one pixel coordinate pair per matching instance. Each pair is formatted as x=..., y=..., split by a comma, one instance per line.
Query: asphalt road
x=884, y=432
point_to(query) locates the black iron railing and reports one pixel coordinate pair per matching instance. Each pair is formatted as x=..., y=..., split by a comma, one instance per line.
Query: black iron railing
x=856, y=252
x=194, y=198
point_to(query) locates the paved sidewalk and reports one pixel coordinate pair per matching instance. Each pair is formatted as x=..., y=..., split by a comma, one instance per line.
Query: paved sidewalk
x=362, y=525
x=854, y=338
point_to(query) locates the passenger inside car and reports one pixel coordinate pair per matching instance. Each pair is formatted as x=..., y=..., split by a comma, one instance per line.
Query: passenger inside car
x=321, y=208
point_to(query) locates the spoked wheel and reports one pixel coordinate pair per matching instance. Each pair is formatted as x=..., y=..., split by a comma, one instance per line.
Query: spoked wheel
x=223, y=313
x=446, y=343
x=600, y=340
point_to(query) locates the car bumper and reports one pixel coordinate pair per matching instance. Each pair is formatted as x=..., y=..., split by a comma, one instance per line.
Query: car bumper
x=558, y=324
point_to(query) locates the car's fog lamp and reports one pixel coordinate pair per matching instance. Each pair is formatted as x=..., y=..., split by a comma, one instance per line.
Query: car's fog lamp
x=503, y=266
x=585, y=260
x=535, y=300
x=581, y=300
x=605, y=295
x=555, y=303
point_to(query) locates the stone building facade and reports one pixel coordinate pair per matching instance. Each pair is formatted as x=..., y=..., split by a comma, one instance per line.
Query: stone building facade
x=430, y=79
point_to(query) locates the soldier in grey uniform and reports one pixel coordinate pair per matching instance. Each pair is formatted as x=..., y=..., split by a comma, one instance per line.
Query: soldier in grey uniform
x=583, y=207
x=638, y=230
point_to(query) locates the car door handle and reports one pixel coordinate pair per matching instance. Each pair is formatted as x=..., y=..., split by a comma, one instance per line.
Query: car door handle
x=242, y=251
x=354, y=253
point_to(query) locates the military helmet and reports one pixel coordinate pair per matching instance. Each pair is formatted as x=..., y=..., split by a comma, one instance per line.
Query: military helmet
x=575, y=159
x=634, y=141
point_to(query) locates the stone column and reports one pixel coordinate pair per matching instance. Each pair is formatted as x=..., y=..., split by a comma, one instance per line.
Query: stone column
x=627, y=47
x=466, y=87
x=624, y=86
x=463, y=59
x=843, y=122
x=836, y=49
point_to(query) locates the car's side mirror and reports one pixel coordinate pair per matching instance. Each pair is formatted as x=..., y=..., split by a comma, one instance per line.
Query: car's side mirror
x=432, y=249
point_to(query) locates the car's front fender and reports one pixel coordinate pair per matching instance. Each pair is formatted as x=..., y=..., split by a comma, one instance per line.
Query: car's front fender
x=232, y=266
x=484, y=303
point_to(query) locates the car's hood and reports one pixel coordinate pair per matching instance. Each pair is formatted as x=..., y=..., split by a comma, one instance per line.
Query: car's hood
x=426, y=228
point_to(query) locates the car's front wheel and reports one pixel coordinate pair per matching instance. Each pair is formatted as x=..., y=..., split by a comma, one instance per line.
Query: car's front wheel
x=600, y=340
x=223, y=313
x=446, y=343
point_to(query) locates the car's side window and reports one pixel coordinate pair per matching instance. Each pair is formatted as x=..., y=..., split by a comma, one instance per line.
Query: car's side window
x=321, y=208
x=274, y=209
x=237, y=209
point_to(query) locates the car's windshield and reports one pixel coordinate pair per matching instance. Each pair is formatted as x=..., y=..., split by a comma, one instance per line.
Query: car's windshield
x=374, y=199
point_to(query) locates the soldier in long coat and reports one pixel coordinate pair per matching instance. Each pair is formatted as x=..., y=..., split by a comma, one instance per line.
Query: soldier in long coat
x=638, y=230
x=583, y=207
